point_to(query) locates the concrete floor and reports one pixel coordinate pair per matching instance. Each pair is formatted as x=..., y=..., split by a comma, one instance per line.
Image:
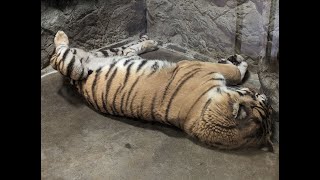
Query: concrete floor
x=79, y=143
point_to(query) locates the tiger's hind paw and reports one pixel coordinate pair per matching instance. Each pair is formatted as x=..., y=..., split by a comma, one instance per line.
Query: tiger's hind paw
x=150, y=45
x=143, y=37
x=61, y=39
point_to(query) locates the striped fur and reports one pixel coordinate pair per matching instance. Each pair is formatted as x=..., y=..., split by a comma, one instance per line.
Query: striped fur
x=192, y=95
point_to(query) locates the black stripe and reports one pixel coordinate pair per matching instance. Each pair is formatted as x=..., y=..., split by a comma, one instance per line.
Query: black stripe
x=58, y=65
x=257, y=107
x=131, y=89
x=62, y=65
x=218, y=90
x=65, y=54
x=152, y=106
x=253, y=96
x=81, y=75
x=53, y=53
x=114, y=100
x=81, y=60
x=240, y=93
x=56, y=62
x=70, y=66
x=140, y=115
x=143, y=62
x=225, y=127
x=121, y=104
x=126, y=79
x=127, y=61
x=110, y=69
x=127, y=74
x=261, y=115
x=262, y=105
x=93, y=87
x=114, y=50
x=105, y=53
x=88, y=98
x=74, y=51
x=106, y=77
x=210, y=73
x=154, y=68
x=81, y=87
x=63, y=57
x=131, y=103
x=205, y=107
x=175, y=71
x=104, y=102
x=187, y=74
x=176, y=92
x=109, y=82
x=218, y=79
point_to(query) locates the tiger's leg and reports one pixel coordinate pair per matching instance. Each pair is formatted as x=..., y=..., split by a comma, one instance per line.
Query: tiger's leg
x=65, y=59
x=142, y=47
x=131, y=49
x=238, y=61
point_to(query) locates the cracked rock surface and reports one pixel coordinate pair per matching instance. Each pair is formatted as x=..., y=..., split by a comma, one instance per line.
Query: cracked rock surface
x=90, y=24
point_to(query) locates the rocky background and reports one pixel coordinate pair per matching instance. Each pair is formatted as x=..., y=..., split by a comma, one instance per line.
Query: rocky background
x=90, y=24
x=215, y=28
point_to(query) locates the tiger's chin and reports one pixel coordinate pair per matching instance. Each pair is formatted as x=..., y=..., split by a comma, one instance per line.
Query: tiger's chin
x=238, y=120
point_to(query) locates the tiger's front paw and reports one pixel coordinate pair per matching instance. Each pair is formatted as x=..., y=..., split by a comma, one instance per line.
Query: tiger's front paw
x=150, y=45
x=235, y=59
x=224, y=61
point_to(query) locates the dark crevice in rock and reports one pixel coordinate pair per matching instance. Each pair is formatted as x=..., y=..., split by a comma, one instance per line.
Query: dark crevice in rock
x=59, y=4
x=270, y=29
x=239, y=26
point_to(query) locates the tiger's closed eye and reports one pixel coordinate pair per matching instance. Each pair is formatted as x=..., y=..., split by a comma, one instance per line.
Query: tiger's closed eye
x=241, y=112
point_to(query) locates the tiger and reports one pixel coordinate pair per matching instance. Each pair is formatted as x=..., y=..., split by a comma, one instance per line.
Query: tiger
x=201, y=98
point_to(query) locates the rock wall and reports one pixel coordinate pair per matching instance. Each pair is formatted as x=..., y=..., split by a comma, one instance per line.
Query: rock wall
x=90, y=24
x=213, y=27
x=219, y=28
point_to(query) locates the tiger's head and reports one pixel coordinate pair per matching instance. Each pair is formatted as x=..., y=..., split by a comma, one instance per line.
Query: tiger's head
x=237, y=118
x=252, y=113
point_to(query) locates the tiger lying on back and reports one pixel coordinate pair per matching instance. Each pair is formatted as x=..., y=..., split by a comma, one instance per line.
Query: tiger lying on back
x=191, y=95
